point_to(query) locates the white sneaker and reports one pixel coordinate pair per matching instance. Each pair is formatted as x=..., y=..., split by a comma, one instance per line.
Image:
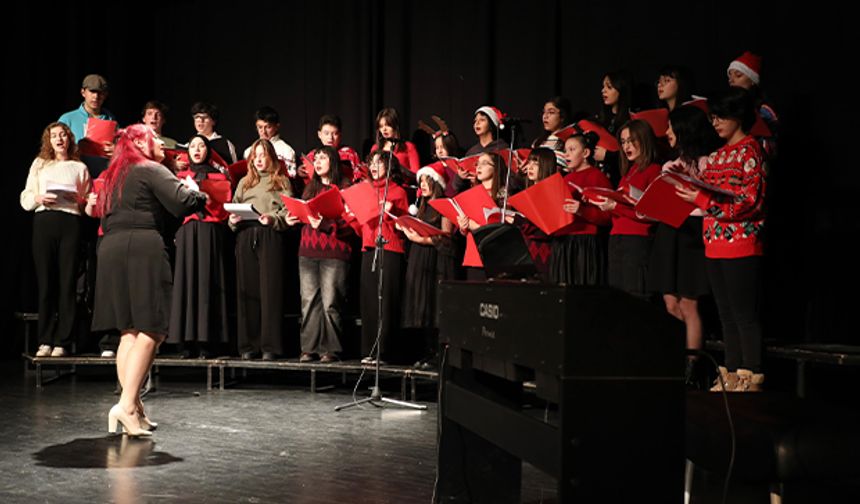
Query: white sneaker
x=109, y=354
x=43, y=351
x=58, y=352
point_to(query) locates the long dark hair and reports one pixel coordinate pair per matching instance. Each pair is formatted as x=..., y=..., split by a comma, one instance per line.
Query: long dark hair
x=386, y=157
x=695, y=136
x=500, y=172
x=565, y=115
x=623, y=82
x=426, y=212
x=546, y=161
x=393, y=119
x=642, y=134
x=735, y=103
x=450, y=142
x=685, y=81
x=335, y=174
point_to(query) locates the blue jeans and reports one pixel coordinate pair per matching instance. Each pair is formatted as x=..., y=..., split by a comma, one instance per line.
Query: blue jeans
x=323, y=289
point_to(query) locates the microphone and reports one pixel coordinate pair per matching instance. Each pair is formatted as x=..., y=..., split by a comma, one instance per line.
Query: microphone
x=396, y=140
x=512, y=121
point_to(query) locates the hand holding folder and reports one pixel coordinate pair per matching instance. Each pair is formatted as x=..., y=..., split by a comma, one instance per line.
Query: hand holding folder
x=327, y=204
x=542, y=204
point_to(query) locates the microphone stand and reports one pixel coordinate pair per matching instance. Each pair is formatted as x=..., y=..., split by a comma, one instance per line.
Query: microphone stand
x=376, y=398
x=508, y=175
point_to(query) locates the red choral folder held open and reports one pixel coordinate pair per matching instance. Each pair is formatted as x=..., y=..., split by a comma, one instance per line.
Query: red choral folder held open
x=469, y=164
x=592, y=193
x=605, y=138
x=180, y=155
x=219, y=191
x=419, y=226
x=541, y=204
x=658, y=119
x=363, y=201
x=474, y=201
x=660, y=201
x=327, y=204
x=97, y=132
x=447, y=207
x=237, y=170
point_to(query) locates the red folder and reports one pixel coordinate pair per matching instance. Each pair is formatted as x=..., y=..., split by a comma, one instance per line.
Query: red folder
x=658, y=119
x=760, y=128
x=100, y=130
x=566, y=132
x=541, y=204
x=308, y=165
x=699, y=102
x=606, y=139
x=180, y=155
x=591, y=193
x=472, y=257
x=96, y=133
x=327, y=204
x=470, y=163
x=473, y=202
x=363, y=201
x=220, y=192
x=661, y=202
x=447, y=207
x=418, y=225
x=236, y=170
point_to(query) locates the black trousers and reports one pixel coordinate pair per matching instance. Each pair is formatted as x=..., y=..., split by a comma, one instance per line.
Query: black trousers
x=392, y=277
x=56, y=242
x=737, y=288
x=260, y=289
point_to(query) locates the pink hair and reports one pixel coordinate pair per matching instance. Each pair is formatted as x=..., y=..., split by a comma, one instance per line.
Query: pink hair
x=125, y=155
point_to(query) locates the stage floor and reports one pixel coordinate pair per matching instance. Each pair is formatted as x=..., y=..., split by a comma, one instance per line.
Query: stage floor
x=263, y=440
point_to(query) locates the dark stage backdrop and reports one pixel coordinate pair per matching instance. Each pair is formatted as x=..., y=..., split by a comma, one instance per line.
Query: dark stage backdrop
x=448, y=57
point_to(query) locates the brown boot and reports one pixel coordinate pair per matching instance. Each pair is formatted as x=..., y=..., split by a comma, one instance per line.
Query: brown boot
x=749, y=381
x=730, y=379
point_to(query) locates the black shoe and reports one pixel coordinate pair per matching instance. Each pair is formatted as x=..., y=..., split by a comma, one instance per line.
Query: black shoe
x=249, y=355
x=269, y=356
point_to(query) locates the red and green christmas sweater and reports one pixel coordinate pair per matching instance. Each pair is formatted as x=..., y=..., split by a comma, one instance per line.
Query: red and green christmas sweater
x=733, y=225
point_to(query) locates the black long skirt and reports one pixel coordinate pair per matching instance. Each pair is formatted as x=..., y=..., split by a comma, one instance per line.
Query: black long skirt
x=425, y=267
x=199, y=308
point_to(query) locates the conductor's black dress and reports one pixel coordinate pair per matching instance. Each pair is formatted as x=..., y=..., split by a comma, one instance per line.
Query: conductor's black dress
x=134, y=280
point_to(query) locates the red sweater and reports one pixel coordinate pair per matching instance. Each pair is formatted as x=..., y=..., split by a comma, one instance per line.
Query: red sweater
x=328, y=241
x=399, y=206
x=624, y=218
x=589, y=217
x=408, y=157
x=733, y=226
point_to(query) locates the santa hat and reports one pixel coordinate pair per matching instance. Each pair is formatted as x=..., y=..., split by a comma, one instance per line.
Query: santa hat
x=435, y=171
x=748, y=64
x=495, y=115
